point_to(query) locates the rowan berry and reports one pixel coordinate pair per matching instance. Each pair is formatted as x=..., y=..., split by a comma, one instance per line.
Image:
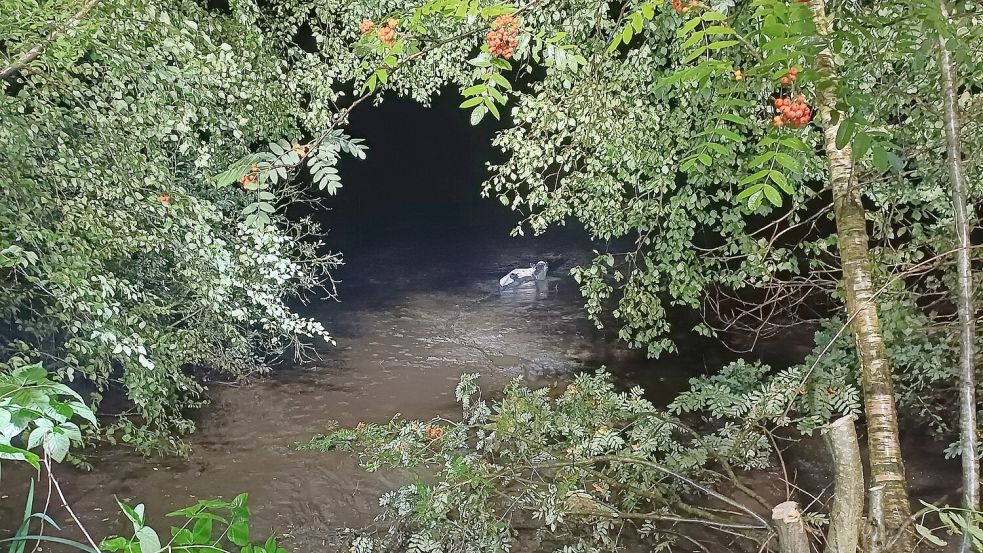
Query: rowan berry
x=502, y=39
x=435, y=432
x=387, y=35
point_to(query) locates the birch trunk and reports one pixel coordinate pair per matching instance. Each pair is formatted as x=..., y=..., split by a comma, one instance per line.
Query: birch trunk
x=848, y=481
x=886, y=464
x=967, y=313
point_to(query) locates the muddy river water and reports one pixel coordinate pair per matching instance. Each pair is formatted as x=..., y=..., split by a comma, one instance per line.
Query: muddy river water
x=412, y=319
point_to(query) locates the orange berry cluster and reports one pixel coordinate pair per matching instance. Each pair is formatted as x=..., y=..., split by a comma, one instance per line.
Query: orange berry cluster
x=250, y=177
x=366, y=26
x=435, y=432
x=387, y=33
x=796, y=114
x=682, y=7
x=301, y=150
x=789, y=77
x=503, y=36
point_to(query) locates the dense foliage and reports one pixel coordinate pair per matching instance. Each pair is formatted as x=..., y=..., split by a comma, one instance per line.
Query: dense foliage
x=148, y=148
x=590, y=464
x=123, y=264
x=587, y=468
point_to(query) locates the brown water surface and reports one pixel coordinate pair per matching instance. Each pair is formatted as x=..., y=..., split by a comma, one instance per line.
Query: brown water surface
x=414, y=317
x=412, y=320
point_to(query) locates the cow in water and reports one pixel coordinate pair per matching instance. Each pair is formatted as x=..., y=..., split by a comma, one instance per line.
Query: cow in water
x=536, y=272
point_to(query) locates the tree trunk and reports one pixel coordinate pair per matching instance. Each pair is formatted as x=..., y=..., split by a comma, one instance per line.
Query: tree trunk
x=792, y=537
x=967, y=312
x=848, y=481
x=886, y=464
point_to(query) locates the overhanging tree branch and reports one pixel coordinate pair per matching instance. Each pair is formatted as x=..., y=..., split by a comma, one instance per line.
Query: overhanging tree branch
x=39, y=48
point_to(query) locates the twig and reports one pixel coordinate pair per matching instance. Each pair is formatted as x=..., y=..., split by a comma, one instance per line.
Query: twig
x=41, y=47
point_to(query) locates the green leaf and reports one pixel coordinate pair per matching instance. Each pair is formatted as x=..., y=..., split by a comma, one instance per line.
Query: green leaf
x=748, y=191
x=861, y=144
x=720, y=30
x=478, y=114
x=500, y=80
x=695, y=54
x=476, y=89
x=778, y=178
x=772, y=195
x=113, y=544
x=501, y=64
x=148, y=539
x=795, y=143
x=719, y=149
x=614, y=43
x=761, y=159
x=492, y=108
x=721, y=44
x=881, y=161
x=71, y=543
x=131, y=514
x=787, y=162
x=557, y=37
x=57, y=445
x=752, y=178
x=692, y=40
x=17, y=454
x=471, y=102
x=239, y=532
x=929, y=536
x=688, y=27
x=733, y=118
x=844, y=133
x=498, y=96
x=727, y=133
x=202, y=531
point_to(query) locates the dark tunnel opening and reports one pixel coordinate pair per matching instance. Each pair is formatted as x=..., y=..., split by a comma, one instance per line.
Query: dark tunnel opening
x=421, y=178
x=411, y=214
